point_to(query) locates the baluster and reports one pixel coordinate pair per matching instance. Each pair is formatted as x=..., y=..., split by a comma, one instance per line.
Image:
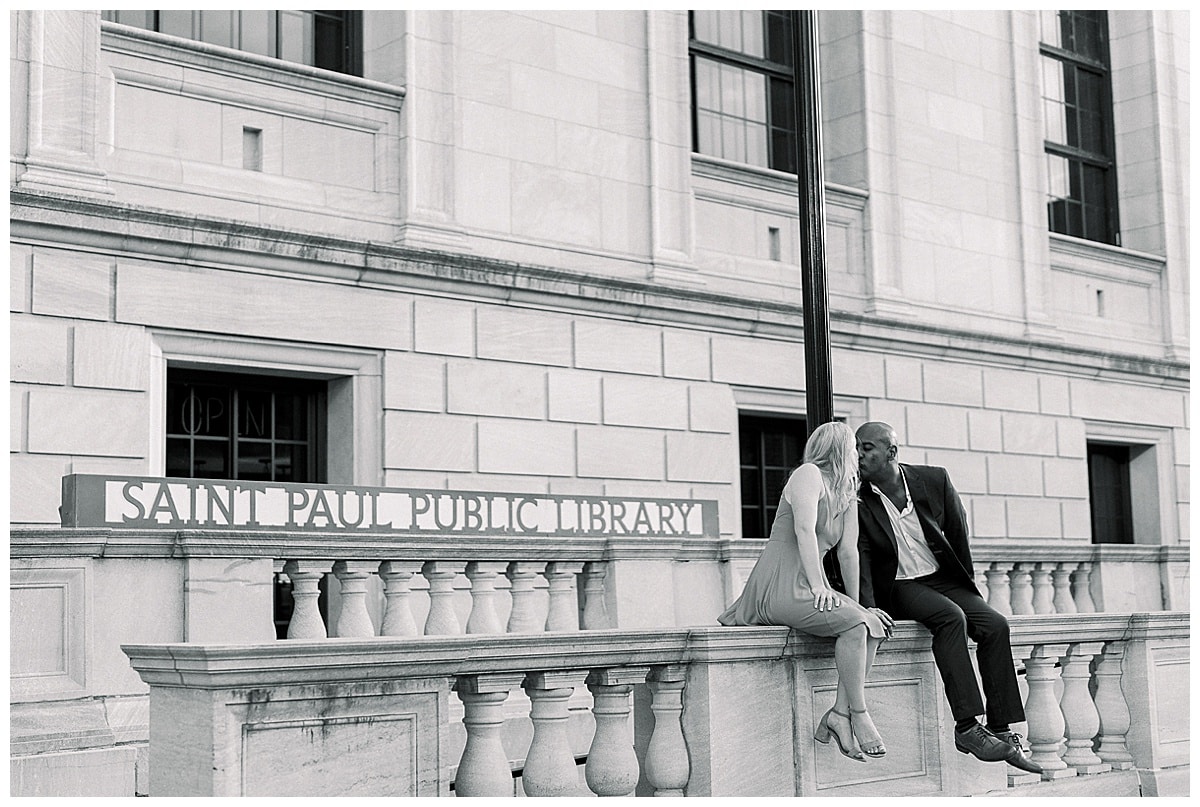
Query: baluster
x=563, y=612
x=1022, y=589
x=306, y=577
x=595, y=613
x=442, y=618
x=1015, y=775
x=484, y=769
x=999, y=595
x=1064, y=603
x=1079, y=711
x=522, y=617
x=549, y=765
x=612, y=764
x=483, y=618
x=1081, y=588
x=1112, y=707
x=1042, y=710
x=666, y=763
x=397, y=615
x=1043, y=591
x=353, y=619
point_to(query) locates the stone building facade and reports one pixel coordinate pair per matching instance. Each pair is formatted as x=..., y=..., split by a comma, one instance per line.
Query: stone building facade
x=497, y=253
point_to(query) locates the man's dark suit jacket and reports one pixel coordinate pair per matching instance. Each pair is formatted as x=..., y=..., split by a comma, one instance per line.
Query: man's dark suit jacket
x=943, y=521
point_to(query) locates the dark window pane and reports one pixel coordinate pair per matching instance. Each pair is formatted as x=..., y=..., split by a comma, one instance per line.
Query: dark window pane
x=254, y=460
x=211, y=459
x=752, y=523
x=291, y=463
x=774, y=449
x=773, y=482
x=1108, y=488
x=291, y=417
x=779, y=37
x=179, y=457
x=329, y=39
x=751, y=489
x=254, y=414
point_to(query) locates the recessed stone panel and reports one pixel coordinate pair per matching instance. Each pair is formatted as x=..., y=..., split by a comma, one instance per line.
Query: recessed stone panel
x=49, y=638
x=312, y=757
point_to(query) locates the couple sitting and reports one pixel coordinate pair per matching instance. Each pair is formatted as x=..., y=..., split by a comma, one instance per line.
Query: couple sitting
x=903, y=553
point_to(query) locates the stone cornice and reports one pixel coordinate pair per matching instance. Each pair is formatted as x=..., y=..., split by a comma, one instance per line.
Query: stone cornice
x=144, y=233
x=60, y=542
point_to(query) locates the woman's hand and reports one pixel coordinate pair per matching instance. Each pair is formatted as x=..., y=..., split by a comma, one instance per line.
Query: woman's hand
x=886, y=619
x=825, y=599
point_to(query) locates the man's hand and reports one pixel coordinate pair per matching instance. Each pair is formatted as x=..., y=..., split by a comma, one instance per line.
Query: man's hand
x=886, y=619
x=825, y=599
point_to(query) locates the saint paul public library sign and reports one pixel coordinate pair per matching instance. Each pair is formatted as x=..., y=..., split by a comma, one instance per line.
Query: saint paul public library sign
x=91, y=500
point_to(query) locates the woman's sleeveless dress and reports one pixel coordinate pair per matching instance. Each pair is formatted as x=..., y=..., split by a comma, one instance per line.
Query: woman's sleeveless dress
x=776, y=592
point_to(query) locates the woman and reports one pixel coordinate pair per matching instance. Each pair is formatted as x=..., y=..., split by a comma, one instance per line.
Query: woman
x=788, y=585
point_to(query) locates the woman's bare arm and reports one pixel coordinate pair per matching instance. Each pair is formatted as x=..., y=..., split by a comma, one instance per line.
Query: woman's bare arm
x=803, y=492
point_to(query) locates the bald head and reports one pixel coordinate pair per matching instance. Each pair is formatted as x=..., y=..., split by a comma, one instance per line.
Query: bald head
x=877, y=449
x=877, y=432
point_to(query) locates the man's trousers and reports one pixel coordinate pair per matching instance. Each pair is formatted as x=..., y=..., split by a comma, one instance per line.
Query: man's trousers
x=953, y=613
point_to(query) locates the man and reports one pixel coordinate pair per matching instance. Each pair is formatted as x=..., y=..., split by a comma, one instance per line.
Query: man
x=915, y=564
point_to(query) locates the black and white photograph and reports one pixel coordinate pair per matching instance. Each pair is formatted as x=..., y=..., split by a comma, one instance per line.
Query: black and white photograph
x=558, y=402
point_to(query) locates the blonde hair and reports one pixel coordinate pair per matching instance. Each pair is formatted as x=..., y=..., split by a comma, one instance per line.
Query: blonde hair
x=831, y=448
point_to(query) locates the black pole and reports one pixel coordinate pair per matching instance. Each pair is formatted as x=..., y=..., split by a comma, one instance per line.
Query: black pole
x=810, y=176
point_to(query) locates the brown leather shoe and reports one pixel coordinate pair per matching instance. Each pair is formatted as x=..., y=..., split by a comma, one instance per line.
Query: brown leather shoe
x=984, y=745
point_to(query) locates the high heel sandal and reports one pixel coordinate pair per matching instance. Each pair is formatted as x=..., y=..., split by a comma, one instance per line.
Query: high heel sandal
x=824, y=730
x=878, y=740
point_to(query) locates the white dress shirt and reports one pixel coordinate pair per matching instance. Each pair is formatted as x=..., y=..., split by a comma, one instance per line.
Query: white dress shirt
x=914, y=555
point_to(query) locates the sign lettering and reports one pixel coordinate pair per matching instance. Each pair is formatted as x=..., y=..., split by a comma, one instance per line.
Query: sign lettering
x=169, y=503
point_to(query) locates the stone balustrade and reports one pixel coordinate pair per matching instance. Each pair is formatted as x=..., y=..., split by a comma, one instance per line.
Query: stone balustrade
x=699, y=712
x=1037, y=587
x=563, y=582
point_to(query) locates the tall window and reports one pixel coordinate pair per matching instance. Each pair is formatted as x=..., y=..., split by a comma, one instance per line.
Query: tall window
x=771, y=448
x=743, y=105
x=1077, y=105
x=1110, y=493
x=326, y=39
